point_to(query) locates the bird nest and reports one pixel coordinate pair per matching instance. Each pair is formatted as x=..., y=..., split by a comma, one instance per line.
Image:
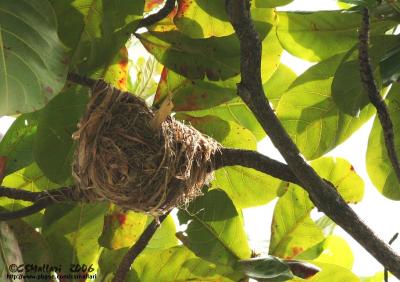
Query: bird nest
x=123, y=156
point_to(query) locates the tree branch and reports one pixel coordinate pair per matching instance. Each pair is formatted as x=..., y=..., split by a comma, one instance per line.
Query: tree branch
x=323, y=195
x=34, y=208
x=367, y=78
x=81, y=80
x=255, y=160
x=161, y=14
x=40, y=200
x=137, y=248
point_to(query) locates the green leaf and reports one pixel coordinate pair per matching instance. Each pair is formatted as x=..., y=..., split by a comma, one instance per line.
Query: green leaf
x=216, y=58
x=336, y=251
x=279, y=82
x=34, y=248
x=271, y=3
x=192, y=95
x=109, y=261
x=164, y=237
x=378, y=277
x=72, y=231
x=333, y=250
x=17, y=144
x=292, y=229
x=53, y=145
x=271, y=47
x=266, y=268
x=227, y=133
x=215, y=229
x=311, y=117
x=379, y=167
x=342, y=174
x=32, y=58
x=117, y=72
x=144, y=84
x=236, y=111
x=235, y=180
x=10, y=250
x=390, y=71
x=95, y=31
x=180, y=264
x=203, y=19
x=32, y=179
x=348, y=92
x=331, y=272
x=121, y=228
x=319, y=35
x=327, y=224
x=247, y=187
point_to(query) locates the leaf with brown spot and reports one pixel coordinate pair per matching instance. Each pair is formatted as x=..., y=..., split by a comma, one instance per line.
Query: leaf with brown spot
x=117, y=72
x=121, y=229
x=149, y=5
x=192, y=95
x=202, y=18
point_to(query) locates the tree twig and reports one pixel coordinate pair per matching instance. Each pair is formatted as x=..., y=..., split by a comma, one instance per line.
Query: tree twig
x=34, y=208
x=137, y=248
x=40, y=200
x=161, y=14
x=385, y=271
x=369, y=83
x=323, y=195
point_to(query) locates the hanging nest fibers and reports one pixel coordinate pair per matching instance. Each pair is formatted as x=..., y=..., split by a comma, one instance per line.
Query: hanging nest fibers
x=126, y=156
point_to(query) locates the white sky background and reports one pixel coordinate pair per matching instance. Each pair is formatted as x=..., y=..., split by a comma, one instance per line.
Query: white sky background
x=380, y=213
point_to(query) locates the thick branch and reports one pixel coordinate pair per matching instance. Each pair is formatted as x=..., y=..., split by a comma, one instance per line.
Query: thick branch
x=367, y=78
x=137, y=248
x=323, y=195
x=162, y=13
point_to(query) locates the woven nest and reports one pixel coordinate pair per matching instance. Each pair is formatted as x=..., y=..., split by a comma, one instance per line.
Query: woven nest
x=122, y=158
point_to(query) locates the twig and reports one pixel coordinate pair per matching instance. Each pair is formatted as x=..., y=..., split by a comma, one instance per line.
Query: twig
x=19, y=194
x=367, y=78
x=385, y=271
x=323, y=195
x=34, y=208
x=137, y=248
x=40, y=200
x=162, y=13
